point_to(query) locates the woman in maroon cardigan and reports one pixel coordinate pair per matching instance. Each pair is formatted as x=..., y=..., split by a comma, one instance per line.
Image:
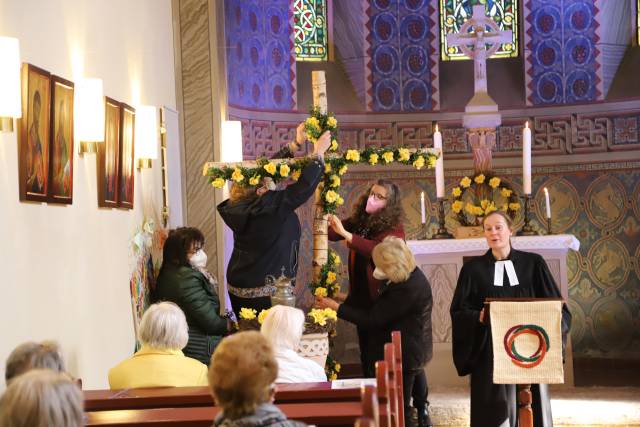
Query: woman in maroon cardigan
x=377, y=214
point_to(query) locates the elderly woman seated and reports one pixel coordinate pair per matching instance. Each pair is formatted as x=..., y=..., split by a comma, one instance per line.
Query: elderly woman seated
x=41, y=398
x=33, y=355
x=283, y=327
x=160, y=362
x=241, y=375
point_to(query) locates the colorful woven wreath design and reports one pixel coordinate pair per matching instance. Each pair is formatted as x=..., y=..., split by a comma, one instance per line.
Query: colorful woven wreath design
x=535, y=358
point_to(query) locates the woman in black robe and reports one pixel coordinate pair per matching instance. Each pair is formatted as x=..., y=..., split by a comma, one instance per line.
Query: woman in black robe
x=524, y=275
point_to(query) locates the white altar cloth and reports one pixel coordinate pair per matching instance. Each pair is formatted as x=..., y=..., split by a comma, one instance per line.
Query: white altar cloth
x=524, y=243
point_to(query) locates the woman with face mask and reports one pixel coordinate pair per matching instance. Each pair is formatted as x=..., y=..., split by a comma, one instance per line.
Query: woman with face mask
x=183, y=280
x=377, y=214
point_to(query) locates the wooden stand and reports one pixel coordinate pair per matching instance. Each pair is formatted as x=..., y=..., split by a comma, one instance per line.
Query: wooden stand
x=525, y=413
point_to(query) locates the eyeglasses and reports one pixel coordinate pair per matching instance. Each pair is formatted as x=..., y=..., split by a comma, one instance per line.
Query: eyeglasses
x=377, y=196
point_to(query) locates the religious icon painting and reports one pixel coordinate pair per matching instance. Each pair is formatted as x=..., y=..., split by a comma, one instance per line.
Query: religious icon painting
x=61, y=136
x=108, y=156
x=33, y=135
x=126, y=169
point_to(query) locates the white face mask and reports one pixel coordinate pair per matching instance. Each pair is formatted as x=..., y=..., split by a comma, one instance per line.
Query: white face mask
x=199, y=259
x=379, y=274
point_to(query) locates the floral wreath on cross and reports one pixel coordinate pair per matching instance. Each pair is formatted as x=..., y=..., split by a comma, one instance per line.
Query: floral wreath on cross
x=480, y=195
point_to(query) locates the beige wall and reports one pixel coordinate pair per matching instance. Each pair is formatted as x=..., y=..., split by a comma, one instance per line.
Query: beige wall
x=65, y=269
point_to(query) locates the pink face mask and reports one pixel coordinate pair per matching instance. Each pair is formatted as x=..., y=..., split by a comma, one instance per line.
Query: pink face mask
x=374, y=205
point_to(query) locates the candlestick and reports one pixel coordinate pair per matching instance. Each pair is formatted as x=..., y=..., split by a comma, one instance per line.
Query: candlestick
x=442, y=232
x=437, y=144
x=546, y=199
x=527, y=229
x=526, y=159
x=423, y=219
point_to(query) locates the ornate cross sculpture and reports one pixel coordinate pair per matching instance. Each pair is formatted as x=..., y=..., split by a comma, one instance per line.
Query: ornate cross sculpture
x=479, y=38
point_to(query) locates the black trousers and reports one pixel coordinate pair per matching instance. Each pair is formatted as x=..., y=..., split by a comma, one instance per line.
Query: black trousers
x=414, y=385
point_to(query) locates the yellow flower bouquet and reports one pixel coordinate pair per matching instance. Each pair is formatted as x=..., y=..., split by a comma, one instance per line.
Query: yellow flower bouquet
x=318, y=123
x=320, y=321
x=250, y=320
x=479, y=195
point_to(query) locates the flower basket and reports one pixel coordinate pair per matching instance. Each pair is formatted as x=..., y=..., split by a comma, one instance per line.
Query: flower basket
x=469, y=232
x=315, y=347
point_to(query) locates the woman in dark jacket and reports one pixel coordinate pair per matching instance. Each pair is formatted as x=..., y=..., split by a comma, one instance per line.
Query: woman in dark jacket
x=376, y=215
x=183, y=281
x=404, y=305
x=266, y=232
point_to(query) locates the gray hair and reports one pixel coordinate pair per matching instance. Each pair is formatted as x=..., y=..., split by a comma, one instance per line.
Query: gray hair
x=41, y=398
x=164, y=326
x=283, y=326
x=33, y=355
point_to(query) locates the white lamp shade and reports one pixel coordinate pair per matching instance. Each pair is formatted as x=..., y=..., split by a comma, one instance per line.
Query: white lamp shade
x=88, y=102
x=146, y=138
x=10, y=103
x=231, y=146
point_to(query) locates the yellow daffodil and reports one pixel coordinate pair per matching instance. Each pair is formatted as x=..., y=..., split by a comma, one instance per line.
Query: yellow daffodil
x=335, y=181
x=331, y=196
x=337, y=367
x=331, y=277
x=218, y=182
x=296, y=175
x=484, y=203
x=254, y=180
x=457, y=206
x=262, y=316
x=284, y=170
x=343, y=170
x=327, y=167
x=320, y=292
x=494, y=182
x=335, y=288
x=313, y=123
x=456, y=192
x=340, y=201
x=205, y=170
x=237, y=175
x=432, y=161
x=247, y=313
x=504, y=207
x=490, y=208
x=373, y=158
x=403, y=154
x=330, y=314
x=353, y=155
x=270, y=168
x=312, y=139
x=514, y=206
x=465, y=182
x=336, y=258
x=387, y=156
x=469, y=207
x=505, y=192
x=334, y=145
x=332, y=122
x=479, y=179
x=418, y=163
x=333, y=376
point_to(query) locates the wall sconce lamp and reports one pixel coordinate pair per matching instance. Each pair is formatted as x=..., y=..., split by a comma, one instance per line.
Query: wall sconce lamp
x=88, y=114
x=231, y=141
x=10, y=102
x=146, y=137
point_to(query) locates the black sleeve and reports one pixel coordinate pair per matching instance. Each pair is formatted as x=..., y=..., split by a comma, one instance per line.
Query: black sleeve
x=547, y=288
x=468, y=335
x=390, y=306
x=283, y=153
x=200, y=306
x=299, y=192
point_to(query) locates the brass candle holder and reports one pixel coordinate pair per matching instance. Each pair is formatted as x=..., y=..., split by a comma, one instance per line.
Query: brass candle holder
x=442, y=232
x=527, y=229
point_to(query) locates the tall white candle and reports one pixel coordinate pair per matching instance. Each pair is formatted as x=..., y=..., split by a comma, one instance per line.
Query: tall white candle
x=548, y=204
x=422, y=212
x=437, y=144
x=526, y=159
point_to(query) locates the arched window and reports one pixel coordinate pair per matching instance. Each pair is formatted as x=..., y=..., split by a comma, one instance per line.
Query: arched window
x=310, y=30
x=453, y=13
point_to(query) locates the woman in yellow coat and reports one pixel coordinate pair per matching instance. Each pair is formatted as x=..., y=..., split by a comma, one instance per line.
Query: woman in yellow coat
x=160, y=362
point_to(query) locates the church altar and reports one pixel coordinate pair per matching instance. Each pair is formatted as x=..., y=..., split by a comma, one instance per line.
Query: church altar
x=441, y=261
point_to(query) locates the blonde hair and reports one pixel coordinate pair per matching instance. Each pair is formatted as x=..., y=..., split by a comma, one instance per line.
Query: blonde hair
x=41, y=398
x=239, y=193
x=242, y=370
x=164, y=326
x=33, y=355
x=394, y=258
x=283, y=326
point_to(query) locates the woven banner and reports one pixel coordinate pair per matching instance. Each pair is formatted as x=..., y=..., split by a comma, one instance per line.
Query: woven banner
x=527, y=342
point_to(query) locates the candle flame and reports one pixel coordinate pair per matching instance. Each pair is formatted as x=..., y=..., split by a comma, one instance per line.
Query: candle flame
x=546, y=191
x=436, y=127
x=526, y=124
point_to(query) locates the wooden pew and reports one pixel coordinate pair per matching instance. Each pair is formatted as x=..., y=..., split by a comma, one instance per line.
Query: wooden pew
x=396, y=340
x=389, y=358
x=370, y=409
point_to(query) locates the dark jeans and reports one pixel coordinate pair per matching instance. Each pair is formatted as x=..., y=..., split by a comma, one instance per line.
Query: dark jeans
x=414, y=384
x=368, y=366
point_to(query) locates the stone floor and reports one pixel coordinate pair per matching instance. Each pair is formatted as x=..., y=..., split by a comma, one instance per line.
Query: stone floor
x=572, y=406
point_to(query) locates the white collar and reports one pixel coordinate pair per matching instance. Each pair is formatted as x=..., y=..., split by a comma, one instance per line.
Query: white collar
x=498, y=273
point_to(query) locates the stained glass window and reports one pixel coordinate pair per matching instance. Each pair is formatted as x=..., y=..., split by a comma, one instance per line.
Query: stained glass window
x=310, y=29
x=453, y=13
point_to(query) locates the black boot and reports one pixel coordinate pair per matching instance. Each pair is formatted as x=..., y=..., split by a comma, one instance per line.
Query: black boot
x=423, y=418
